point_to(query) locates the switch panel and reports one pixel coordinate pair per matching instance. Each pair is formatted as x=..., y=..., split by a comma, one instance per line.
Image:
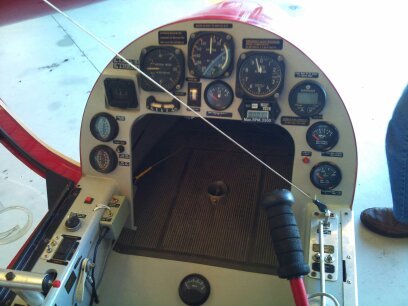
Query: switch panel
x=331, y=247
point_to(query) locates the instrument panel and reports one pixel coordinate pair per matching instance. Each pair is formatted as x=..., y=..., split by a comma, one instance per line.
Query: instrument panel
x=223, y=71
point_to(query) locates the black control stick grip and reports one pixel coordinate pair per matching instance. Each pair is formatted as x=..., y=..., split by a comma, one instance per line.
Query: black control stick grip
x=285, y=233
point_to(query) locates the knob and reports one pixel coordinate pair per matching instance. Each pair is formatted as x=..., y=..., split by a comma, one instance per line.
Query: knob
x=73, y=222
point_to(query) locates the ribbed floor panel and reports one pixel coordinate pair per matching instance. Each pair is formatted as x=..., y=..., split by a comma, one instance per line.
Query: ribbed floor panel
x=175, y=218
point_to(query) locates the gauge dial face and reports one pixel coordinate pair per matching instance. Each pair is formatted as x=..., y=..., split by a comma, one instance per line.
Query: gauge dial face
x=260, y=75
x=307, y=99
x=322, y=136
x=210, y=54
x=165, y=65
x=103, y=159
x=218, y=95
x=325, y=176
x=104, y=127
x=194, y=289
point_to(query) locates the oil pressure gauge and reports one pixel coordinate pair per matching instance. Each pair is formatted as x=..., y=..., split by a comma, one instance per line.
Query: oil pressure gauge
x=325, y=176
x=322, y=136
x=218, y=95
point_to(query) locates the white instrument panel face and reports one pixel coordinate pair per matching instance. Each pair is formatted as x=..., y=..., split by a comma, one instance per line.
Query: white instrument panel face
x=229, y=71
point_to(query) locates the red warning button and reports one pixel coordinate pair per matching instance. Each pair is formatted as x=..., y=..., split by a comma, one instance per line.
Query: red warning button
x=88, y=200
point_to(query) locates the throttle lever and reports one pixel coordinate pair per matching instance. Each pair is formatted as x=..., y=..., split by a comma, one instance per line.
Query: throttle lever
x=285, y=233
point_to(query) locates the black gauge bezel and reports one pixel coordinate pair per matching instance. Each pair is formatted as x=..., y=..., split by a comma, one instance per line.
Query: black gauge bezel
x=204, y=297
x=145, y=84
x=114, y=127
x=194, y=71
x=299, y=109
x=211, y=85
x=322, y=148
x=112, y=155
x=333, y=184
x=240, y=89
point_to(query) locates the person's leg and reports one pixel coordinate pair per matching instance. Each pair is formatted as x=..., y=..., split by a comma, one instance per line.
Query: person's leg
x=386, y=221
x=397, y=157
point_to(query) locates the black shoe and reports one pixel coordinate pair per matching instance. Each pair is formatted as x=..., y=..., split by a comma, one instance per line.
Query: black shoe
x=382, y=221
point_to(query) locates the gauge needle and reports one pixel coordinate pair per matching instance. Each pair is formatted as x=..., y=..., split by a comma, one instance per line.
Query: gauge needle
x=210, y=44
x=315, y=137
x=257, y=66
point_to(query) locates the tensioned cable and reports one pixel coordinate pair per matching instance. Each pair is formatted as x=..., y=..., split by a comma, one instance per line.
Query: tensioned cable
x=321, y=206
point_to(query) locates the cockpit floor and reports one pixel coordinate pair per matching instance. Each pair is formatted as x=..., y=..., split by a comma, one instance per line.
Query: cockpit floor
x=176, y=220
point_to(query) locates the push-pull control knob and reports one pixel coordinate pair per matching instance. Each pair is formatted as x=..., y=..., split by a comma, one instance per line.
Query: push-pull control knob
x=73, y=222
x=285, y=233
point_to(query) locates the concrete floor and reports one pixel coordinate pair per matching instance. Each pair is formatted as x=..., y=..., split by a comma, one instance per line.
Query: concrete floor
x=48, y=68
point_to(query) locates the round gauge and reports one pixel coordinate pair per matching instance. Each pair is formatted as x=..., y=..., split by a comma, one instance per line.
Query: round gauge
x=307, y=99
x=218, y=95
x=104, y=127
x=260, y=75
x=210, y=54
x=325, y=176
x=165, y=65
x=322, y=136
x=103, y=159
x=194, y=290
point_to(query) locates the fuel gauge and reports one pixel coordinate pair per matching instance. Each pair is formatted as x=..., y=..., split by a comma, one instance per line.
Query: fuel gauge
x=322, y=136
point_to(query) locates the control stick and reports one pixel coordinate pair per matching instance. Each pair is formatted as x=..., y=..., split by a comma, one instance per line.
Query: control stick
x=286, y=240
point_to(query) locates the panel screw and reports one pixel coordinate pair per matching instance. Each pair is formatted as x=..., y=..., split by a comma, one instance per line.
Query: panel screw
x=349, y=282
x=316, y=214
x=329, y=276
x=346, y=213
x=313, y=274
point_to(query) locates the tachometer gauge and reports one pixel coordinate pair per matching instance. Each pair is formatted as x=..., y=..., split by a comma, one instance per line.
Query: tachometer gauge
x=218, y=95
x=103, y=159
x=210, y=54
x=104, y=127
x=322, y=136
x=259, y=75
x=307, y=99
x=325, y=176
x=165, y=65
